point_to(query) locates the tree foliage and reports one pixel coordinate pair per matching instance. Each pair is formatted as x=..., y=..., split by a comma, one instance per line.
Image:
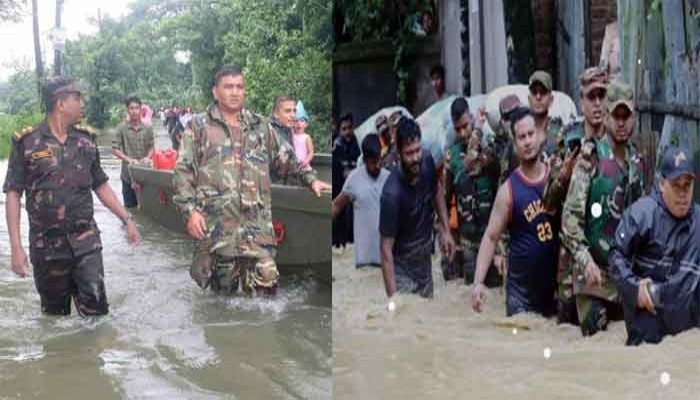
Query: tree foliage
x=283, y=47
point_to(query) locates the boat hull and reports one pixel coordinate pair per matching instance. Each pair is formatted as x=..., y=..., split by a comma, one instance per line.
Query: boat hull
x=306, y=220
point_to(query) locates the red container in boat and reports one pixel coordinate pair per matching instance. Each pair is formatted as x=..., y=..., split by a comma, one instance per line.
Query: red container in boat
x=164, y=159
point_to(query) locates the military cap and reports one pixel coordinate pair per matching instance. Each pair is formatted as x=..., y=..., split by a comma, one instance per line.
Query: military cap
x=593, y=78
x=508, y=104
x=543, y=78
x=620, y=93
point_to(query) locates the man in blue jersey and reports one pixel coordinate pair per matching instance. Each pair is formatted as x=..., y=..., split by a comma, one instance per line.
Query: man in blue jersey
x=534, y=236
x=410, y=199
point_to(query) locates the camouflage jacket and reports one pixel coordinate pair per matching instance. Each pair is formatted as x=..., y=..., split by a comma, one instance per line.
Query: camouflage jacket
x=225, y=175
x=57, y=180
x=557, y=184
x=473, y=181
x=599, y=192
x=281, y=130
x=501, y=147
x=551, y=143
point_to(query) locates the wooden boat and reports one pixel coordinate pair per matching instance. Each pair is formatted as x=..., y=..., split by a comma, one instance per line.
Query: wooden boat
x=304, y=219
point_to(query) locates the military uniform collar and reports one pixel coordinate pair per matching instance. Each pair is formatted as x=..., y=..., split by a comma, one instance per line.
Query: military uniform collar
x=45, y=131
x=246, y=117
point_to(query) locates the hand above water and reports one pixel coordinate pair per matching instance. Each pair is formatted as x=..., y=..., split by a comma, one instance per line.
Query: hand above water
x=478, y=297
x=197, y=226
x=132, y=233
x=19, y=262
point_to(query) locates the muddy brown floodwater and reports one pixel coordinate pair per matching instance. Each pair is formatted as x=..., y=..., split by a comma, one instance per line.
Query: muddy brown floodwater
x=163, y=338
x=441, y=349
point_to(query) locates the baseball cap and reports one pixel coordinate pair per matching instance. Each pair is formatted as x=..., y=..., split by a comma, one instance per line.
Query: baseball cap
x=508, y=104
x=620, y=93
x=593, y=78
x=677, y=161
x=542, y=77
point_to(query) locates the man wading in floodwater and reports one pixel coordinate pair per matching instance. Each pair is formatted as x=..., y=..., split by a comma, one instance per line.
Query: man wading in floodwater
x=57, y=165
x=222, y=188
x=409, y=199
x=518, y=208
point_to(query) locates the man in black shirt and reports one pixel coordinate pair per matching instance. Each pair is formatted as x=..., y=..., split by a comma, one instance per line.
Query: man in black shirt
x=410, y=197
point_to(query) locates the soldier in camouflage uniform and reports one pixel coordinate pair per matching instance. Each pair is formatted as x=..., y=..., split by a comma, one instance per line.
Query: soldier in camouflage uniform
x=471, y=177
x=56, y=164
x=540, y=99
x=594, y=107
x=606, y=180
x=222, y=188
x=283, y=116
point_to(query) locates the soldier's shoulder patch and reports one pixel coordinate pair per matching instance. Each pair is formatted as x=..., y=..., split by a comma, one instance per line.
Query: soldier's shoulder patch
x=92, y=132
x=23, y=132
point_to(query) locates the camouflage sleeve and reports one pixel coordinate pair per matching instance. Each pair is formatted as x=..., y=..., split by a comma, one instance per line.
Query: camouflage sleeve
x=15, y=178
x=284, y=161
x=555, y=189
x=473, y=150
x=502, y=245
x=184, y=176
x=574, y=215
x=447, y=178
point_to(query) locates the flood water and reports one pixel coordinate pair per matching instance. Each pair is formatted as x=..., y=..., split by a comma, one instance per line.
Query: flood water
x=164, y=338
x=441, y=349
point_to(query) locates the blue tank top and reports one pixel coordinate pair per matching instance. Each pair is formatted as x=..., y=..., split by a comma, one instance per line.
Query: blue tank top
x=534, y=246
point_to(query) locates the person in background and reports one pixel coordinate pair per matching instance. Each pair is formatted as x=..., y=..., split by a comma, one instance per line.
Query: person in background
x=146, y=115
x=346, y=152
x=303, y=145
x=437, y=79
x=363, y=189
x=133, y=143
x=471, y=180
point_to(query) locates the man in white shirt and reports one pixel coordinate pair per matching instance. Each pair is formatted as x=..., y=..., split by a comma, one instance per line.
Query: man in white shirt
x=363, y=188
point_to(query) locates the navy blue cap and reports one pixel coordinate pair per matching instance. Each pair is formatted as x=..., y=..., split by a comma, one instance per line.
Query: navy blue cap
x=677, y=161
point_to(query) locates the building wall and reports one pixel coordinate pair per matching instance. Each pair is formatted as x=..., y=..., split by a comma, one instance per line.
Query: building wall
x=364, y=80
x=543, y=14
x=602, y=12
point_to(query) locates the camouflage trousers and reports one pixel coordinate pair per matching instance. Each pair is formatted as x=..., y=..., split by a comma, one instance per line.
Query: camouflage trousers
x=225, y=274
x=80, y=278
x=595, y=313
x=463, y=265
x=566, y=301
